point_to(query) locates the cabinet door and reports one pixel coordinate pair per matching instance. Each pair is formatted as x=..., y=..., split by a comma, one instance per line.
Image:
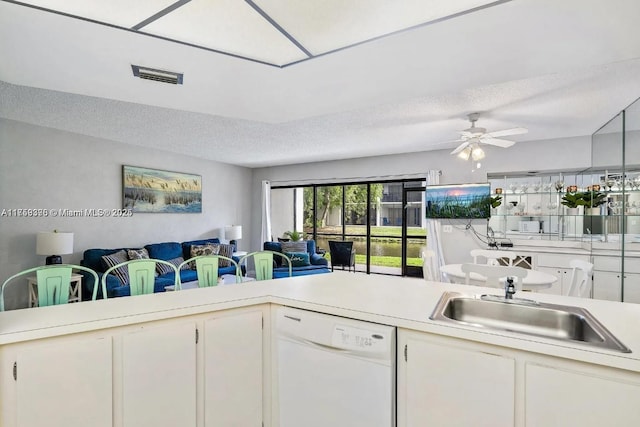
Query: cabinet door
x=441, y=384
x=557, y=288
x=159, y=376
x=632, y=287
x=65, y=384
x=233, y=370
x=558, y=397
x=607, y=285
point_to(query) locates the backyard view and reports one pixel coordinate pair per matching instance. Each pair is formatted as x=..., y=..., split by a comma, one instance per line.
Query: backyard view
x=385, y=251
x=342, y=212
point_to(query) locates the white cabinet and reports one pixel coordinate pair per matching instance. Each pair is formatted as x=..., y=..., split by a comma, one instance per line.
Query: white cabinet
x=607, y=285
x=159, y=376
x=573, y=397
x=233, y=377
x=559, y=266
x=60, y=384
x=608, y=281
x=632, y=287
x=204, y=370
x=563, y=275
x=449, y=383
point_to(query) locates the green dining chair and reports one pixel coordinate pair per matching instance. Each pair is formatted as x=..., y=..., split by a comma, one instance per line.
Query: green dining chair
x=263, y=263
x=207, y=269
x=142, y=275
x=53, y=283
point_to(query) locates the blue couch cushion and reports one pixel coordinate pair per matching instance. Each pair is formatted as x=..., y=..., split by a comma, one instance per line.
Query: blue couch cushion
x=164, y=251
x=314, y=258
x=281, y=272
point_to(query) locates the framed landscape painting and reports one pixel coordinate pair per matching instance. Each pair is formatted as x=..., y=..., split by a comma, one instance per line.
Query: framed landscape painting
x=153, y=190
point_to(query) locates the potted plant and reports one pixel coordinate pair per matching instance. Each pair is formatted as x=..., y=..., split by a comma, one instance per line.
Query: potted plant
x=592, y=200
x=294, y=235
x=495, y=201
x=572, y=201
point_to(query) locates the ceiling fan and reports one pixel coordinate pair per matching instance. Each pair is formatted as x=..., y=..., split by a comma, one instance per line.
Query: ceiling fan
x=474, y=136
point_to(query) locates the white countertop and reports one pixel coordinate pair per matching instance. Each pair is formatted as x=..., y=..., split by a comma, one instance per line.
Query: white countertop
x=401, y=302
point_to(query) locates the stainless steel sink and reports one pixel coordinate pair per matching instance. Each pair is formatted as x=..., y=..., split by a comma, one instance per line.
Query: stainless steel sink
x=562, y=322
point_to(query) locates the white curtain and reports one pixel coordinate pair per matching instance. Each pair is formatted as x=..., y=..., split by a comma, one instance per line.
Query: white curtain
x=434, y=236
x=266, y=212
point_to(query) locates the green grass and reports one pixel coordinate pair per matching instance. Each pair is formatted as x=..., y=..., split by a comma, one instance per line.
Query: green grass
x=387, y=261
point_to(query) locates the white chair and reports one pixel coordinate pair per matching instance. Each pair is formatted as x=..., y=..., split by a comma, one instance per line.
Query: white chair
x=491, y=275
x=428, y=257
x=492, y=257
x=580, y=284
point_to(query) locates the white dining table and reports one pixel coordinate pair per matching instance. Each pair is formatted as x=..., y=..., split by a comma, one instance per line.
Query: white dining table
x=533, y=281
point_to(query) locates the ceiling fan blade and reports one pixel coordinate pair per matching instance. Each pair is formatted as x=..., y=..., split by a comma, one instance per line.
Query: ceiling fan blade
x=507, y=132
x=460, y=147
x=498, y=142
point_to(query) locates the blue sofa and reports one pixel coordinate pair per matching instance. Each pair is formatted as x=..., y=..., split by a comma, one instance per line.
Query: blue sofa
x=92, y=258
x=318, y=264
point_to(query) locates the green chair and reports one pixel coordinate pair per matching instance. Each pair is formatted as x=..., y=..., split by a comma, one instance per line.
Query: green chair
x=263, y=263
x=207, y=269
x=142, y=275
x=52, y=282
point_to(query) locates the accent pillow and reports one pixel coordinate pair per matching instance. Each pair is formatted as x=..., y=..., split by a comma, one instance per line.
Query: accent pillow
x=164, y=268
x=138, y=253
x=298, y=259
x=294, y=247
x=201, y=250
x=116, y=258
x=224, y=250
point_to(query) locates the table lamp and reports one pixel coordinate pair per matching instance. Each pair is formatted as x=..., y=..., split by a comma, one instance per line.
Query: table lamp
x=233, y=233
x=54, y=242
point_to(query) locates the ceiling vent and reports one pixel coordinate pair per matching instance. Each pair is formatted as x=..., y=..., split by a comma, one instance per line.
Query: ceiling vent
x=157, y=75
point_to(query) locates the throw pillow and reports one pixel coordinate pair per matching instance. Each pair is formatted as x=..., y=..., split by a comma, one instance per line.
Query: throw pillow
x=298, y=259
x=294, y=247
x=164, y=268
x=200, y=250
x=138, y=253
x=224, y=250
x=116, y=258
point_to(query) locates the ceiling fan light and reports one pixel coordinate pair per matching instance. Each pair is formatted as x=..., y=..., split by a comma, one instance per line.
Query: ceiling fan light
x=477, y=153
x=464, y=154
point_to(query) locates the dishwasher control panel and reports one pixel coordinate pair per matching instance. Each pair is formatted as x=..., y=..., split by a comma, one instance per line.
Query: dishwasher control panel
x=340, y=333
x=348, y=337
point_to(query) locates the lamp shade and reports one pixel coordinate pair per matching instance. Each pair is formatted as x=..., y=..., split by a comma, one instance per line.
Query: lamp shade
x=54, y=243
x=233, y=232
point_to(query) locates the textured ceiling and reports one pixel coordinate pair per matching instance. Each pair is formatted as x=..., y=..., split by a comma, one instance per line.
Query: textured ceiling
x=557, y=68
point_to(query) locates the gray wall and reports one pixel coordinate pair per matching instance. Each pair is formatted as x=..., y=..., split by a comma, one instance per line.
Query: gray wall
x=547, y=155
x=47, y=168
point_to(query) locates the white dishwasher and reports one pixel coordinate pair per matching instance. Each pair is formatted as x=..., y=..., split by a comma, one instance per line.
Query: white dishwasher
x=333, y=371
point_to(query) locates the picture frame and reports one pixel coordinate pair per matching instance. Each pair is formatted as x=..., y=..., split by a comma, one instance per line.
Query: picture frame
x=146, y=190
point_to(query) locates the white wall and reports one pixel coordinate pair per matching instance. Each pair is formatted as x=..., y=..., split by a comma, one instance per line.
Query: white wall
x=547, y=155
x=50, y=169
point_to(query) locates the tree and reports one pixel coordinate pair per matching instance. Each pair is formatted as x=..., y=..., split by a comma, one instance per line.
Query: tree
x=329, y=197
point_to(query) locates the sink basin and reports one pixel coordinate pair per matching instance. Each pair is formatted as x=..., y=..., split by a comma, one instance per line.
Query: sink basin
x=561, y=322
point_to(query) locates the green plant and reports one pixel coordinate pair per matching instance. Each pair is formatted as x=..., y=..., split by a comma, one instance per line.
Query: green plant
x=496, y=201
x=594, y=199
x=294, y=235
x=572, y=200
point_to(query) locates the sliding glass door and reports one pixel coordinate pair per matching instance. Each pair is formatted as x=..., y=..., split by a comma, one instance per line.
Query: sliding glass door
x=384, y=220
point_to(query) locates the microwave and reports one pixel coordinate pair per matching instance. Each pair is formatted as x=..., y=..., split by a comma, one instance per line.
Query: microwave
x=529, y=226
